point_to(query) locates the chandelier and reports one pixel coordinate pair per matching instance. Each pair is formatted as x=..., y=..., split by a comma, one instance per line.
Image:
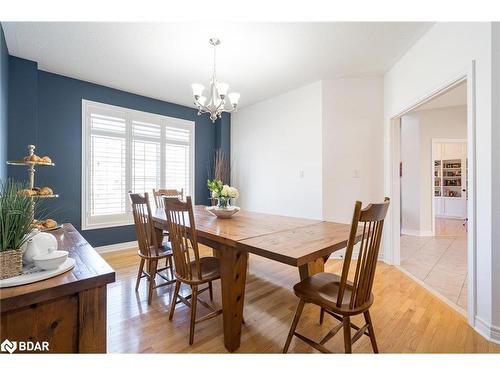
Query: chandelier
x=216, y=102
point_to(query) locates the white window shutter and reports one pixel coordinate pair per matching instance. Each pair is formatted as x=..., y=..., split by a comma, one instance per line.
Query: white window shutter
x=126, y=150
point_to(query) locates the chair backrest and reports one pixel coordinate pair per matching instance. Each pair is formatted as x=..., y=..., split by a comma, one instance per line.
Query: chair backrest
x=144, y=228
x=372, y=219
x=160, y=193
x=182, y=233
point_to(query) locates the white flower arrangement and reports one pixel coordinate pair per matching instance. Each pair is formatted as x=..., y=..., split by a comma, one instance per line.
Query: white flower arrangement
x=222, y=192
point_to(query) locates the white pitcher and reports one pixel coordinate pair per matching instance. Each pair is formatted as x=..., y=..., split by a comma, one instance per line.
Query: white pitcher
x=38, y=244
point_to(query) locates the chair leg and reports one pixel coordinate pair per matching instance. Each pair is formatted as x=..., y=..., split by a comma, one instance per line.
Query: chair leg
x=139, y=274
x=174, y=300
x=346, y=321
x=152, y=275
x=321, y=316
x=171, y=268
x=371, y=331
x=295, y=321
x=194, y=299
x=210, y=291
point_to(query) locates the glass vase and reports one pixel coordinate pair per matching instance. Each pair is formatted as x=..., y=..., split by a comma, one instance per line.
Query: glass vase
x=223, y=203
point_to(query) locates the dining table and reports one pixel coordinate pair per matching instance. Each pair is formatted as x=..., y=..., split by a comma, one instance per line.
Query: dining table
x=299, y=242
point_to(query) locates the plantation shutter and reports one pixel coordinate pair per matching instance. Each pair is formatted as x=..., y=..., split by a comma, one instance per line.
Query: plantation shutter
x=126, y=150
x=146, y=143
x=108, y=166
x=178, y=155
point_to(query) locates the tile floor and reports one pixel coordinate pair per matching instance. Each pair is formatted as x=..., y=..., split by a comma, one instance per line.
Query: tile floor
x=439, y=261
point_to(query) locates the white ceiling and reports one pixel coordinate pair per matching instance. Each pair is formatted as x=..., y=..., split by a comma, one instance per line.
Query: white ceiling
x=456, y=96
x=259, y=60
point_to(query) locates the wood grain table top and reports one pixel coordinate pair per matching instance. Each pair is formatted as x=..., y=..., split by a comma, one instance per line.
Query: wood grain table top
x=90, y=271
x=290, y=240
x=301, y=245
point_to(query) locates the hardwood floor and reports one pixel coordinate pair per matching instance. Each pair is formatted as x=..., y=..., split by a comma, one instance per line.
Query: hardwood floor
x=407, y=318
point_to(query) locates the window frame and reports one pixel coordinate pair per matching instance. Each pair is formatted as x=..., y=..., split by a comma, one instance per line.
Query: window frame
x=118, y=220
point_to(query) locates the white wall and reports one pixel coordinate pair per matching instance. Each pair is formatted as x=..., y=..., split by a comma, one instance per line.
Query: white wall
x=352, y=145
x=331, y=130
x=271, y=143
x=418, y=128
x=495, y=141
x=445, y=51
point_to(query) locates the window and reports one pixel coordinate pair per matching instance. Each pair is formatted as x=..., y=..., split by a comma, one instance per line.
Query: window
x=126, y=150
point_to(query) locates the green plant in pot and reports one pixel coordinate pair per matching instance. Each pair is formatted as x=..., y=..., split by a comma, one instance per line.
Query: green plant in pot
x=15, y=225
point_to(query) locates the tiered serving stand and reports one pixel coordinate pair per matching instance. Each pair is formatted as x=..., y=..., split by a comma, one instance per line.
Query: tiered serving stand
x=31, y=176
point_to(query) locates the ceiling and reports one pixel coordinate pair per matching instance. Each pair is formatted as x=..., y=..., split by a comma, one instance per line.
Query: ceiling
x=456, y=96
x=259, y=60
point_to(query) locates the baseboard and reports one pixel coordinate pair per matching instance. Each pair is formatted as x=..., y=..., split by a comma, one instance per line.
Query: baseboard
x=116, y=247
x=488, y=331
x=420, y=233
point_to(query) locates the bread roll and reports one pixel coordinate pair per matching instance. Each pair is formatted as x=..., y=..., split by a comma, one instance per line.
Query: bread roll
x=49, y=224
x=46, y=191
x=26, y=192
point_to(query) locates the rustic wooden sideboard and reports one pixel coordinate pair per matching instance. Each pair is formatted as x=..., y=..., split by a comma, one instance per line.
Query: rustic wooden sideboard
x=67, y=311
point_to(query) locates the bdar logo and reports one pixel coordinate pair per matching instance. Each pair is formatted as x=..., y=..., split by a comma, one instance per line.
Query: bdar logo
x=8, y=346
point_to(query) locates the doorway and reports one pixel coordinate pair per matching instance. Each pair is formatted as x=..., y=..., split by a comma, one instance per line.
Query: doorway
x=432, y=234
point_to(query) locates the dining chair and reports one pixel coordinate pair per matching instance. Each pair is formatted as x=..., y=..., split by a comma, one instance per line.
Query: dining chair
x=335, y=294
x=190, y=268
x=149, y=251
x=160, y=193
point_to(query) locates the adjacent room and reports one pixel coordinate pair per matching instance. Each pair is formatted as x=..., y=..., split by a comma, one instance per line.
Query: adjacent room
x=434, y=194
x=252, y=187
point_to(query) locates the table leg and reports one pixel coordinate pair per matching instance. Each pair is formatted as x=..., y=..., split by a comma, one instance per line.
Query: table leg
x=233, y=276
x=311, y=268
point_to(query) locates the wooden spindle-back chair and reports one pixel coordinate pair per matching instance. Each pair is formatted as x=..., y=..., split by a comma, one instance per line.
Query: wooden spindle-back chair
x=159, y=194
x=190, y=268
x=149, y=251
x=336, y=294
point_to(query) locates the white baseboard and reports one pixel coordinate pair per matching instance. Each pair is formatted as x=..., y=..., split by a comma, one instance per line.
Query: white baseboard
x=488, y=331
x=116, y=247
x=414, y=232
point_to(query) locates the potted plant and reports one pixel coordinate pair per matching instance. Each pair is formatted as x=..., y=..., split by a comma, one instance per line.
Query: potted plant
x=16, y=210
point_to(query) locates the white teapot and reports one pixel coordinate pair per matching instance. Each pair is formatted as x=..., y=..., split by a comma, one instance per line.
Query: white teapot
x=39, y=244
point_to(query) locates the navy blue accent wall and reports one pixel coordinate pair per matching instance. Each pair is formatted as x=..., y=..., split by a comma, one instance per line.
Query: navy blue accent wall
x=57, y=133
x=4, y=95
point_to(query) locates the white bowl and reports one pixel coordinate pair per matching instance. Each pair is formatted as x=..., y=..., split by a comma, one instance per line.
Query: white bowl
x=51, y=260
x=223, y=213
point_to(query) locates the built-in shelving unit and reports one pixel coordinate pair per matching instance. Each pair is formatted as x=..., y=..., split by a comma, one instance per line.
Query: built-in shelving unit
x=450, y=179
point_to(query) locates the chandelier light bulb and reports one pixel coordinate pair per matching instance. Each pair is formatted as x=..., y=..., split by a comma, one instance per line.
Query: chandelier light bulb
x=197, y=89
x=234, y=98
x=222, y=89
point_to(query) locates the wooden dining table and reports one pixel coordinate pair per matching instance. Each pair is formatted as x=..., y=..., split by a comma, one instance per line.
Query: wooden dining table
x=298, y=242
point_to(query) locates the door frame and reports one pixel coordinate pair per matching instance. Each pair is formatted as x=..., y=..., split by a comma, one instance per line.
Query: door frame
x=434, y=142
x=394, y=256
